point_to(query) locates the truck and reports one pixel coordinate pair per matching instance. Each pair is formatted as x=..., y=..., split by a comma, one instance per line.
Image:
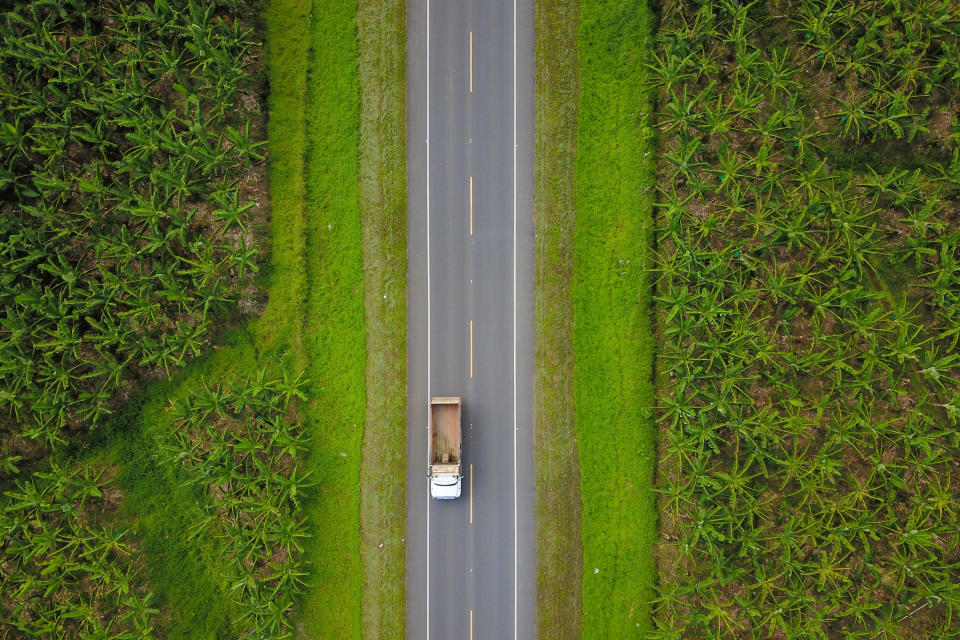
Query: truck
x=445, y=447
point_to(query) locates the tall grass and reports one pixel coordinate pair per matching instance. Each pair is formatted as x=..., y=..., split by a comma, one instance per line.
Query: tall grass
x=333, y=332
x=287, y=42
x=612, y=338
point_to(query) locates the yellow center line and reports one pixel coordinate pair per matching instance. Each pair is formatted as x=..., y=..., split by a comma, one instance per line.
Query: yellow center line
x=471, y=624
x=471, y=493
x=471, y=205
x=471, y=62
x=471, y=348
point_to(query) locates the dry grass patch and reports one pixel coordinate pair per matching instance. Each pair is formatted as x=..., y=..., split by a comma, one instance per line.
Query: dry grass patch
x=381, y=26
x=559, y=551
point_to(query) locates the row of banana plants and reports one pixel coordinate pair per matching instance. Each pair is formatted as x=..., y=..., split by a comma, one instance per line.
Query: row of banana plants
x=892, y=60
x=245, y=446
x=809, y=375
x=64, y=574
x=126, y=173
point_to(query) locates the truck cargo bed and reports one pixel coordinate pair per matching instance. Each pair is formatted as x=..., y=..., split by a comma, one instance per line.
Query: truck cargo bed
x=445, y=427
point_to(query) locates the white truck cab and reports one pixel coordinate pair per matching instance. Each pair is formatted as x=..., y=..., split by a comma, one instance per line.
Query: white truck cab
x=445, y=447
x=445, y=486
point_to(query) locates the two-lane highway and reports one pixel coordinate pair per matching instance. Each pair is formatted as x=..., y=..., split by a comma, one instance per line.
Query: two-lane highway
x=470, y=562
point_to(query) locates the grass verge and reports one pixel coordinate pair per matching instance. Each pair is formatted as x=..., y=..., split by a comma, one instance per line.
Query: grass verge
x=559, y=549
x=280, y=326
x=613, y=336
x=333, y=330
x=381, y=33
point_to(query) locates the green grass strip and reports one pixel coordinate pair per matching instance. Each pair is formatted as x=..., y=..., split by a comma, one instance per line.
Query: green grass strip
x=559, y=550
x=381, y=29
x=613, y=338
x=333, y=330
x=287, y=44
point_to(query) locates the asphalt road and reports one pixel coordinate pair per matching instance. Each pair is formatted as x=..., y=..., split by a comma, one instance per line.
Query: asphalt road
x=471, y=561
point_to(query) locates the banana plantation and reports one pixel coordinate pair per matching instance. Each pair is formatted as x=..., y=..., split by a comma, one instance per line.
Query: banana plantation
x=66, y=575
x=807, y=302
x=125, y=211
x=244, y=446
x=128, y=182
x=809, y=377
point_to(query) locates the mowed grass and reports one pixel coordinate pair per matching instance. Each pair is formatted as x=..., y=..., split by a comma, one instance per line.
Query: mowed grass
x=381, y=33
x=613, y=337
x=559, y=549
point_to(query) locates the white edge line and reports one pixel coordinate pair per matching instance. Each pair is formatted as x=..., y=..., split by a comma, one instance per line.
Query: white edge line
x=516, y=595
x=428, y=316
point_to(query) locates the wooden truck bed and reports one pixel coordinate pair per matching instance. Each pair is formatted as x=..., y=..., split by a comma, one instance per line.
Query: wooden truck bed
x=445, y=429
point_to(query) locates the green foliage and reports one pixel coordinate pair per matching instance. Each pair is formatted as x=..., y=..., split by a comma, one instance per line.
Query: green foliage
x=123, y=220
x=225, y=558
x=64, y=575
x=808, y=413
x=245, y=447
x=163, y=509
x=891, y=61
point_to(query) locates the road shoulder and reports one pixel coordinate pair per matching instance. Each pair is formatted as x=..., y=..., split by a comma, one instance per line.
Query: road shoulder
x=381, y=30
x=559, y=548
